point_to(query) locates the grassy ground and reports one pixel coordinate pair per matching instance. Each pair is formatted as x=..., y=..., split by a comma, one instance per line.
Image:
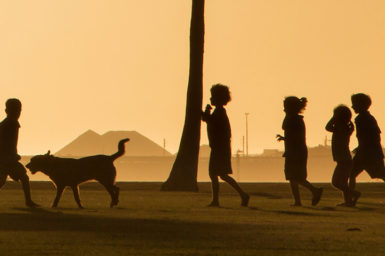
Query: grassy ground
x=150, y=222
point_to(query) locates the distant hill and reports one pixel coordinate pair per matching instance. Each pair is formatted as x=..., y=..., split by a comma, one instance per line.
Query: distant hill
x=92, y=143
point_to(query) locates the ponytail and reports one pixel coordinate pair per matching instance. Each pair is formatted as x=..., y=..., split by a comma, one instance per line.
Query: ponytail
x=303, y=103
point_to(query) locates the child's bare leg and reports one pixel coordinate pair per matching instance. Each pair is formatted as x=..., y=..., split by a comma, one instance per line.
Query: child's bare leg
x=340, y=181
x=308, y=185
x=215, y=190
x=295, y=192
x=3, y=179
x=244, y=196
x=317, y=192
x=352, y=185
x=27, y=191
x=345, y=190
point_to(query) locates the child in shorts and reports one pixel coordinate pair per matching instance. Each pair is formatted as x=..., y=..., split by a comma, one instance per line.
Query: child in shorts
x=219, y=133
x=342, y=128
x=368, y=155
x=296, y=150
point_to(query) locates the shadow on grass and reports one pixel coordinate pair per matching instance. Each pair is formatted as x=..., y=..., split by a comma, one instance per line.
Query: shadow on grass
x=368, y=209
x=378, y=204
x=40, y=220
x=297, y=213
x=267, y=195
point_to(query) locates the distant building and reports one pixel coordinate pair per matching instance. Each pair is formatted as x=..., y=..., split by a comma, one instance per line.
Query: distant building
x=271, y=153
x=92, y=143
x=320, y=150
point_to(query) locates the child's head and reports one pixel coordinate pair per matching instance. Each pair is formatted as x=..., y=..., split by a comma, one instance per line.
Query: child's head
x=361, y=102
x=342, y=114
x=13, y=108
x=294, y=105
x=220, y=95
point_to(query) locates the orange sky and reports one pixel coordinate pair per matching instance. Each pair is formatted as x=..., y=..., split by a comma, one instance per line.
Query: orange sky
x=123, y=65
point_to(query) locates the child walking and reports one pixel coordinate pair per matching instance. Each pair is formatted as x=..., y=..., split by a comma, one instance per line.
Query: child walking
x=342, y=128
x=9, y=158
x=368, y=155
x=296, y=149
x=219, y=134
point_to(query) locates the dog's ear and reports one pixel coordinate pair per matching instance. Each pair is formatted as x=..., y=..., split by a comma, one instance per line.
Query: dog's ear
x=48, y=153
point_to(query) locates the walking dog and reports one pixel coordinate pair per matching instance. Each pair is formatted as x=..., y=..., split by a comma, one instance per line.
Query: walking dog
x=71, y=172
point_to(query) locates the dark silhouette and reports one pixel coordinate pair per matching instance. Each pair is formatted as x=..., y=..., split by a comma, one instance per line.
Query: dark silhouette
x=368, y=155
x=9, y=158
x=219, y=133
x=183, y=174
x=71, y=172
x=296, y=149
x=342, y=128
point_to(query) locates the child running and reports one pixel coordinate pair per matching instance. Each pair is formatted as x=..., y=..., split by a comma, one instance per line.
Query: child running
x=219, y=134
x=342, y=128
x=368, y=155
x=296, y=149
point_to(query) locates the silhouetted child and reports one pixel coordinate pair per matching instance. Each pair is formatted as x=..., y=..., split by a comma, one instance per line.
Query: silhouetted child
x=219, y=134
x=368, y=155
x=342, y=128
x=9, y=159
x=296, y=150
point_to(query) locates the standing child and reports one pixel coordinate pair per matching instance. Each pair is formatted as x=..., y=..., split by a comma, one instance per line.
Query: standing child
x=342, y=128
x=9, y=159
x=368, y=154
x=296, y=150
x=219, y=134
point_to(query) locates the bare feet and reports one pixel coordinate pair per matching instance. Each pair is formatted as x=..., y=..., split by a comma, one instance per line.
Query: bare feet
x=317, y=196
x=245, y=200
x=213, y=204
x=355, y=197
x=296, y=205
x=31, y=204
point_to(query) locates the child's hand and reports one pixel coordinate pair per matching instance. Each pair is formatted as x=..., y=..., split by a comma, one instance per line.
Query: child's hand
x=206, y=113
x=280, y=137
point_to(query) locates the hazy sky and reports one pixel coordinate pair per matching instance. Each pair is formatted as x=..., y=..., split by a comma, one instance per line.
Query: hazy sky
x=123, y=65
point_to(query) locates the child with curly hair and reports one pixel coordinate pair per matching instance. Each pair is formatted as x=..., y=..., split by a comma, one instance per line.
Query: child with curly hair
x=219, y=134
x=368, y=155
x=296, y=150
x=342, y=128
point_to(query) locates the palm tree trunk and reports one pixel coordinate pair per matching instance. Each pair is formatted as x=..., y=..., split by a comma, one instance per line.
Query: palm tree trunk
x=183, y=176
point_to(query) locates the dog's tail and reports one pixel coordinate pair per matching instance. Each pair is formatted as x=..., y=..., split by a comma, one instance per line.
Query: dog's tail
x=121, y=149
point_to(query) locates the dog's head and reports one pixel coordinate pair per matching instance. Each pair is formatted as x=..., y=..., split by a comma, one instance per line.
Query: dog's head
x=40, y=163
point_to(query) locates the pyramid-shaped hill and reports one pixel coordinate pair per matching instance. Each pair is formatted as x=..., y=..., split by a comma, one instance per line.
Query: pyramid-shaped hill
x=91, y=143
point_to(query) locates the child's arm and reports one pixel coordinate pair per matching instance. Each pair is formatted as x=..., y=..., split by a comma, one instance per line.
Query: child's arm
x=351, y=128
x=206, y=114
x=330, y=125
x=280, y=137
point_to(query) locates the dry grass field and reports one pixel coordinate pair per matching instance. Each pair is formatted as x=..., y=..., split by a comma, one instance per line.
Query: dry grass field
x=150, y=222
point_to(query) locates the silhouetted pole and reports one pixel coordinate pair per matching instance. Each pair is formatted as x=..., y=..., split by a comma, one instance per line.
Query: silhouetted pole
x=183, y=176
x=164, y=146
x=247, y=134
x=239, y=164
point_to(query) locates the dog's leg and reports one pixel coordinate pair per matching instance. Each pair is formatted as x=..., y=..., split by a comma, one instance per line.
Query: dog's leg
x=110, y=188
x=75, y=189
x=59, y=192
x=3, y=179
x=117, y=189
